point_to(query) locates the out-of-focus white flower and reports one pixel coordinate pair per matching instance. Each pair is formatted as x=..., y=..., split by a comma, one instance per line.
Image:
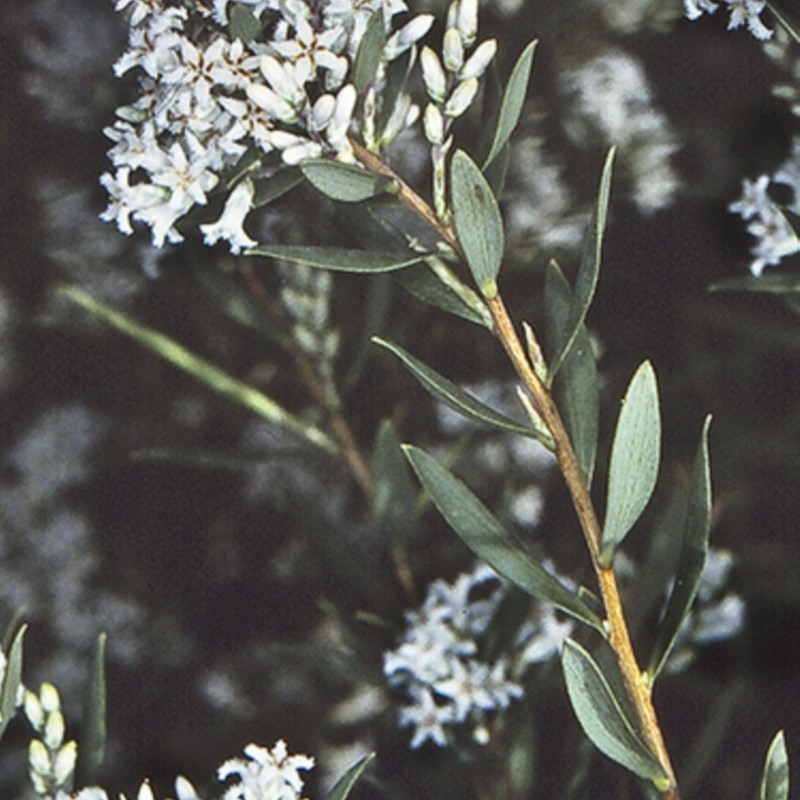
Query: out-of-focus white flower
x=742, y=12
x=264, y=773
x=230, y=225
x=312, y=50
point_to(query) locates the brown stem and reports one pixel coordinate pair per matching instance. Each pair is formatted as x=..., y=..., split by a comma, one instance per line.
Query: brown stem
x=618, y=635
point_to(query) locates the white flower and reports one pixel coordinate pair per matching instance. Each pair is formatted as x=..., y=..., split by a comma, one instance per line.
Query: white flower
x=266, y=774
x=311, y=50
x=695, y=8
x=230, y=225
x=126, y=199
x=746, y=12
x=428, y=719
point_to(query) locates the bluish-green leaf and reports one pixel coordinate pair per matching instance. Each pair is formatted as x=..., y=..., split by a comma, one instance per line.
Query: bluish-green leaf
x=775, y=777
x=276, y=186
x=244, y=24
x=487, y=538
x=11, y=680
x=635, y=458
x=694, y=514
x=425, y=286
x=457, y=399
x=345, y=182
x=477, y=220
x=513, y=100
x=342, y=788
x=576, y=385
x=207, y=373
x=339, y=259
x=92, y=741
x=601, y=716
x=370, y=52
x=589, y=271
x=769, y=283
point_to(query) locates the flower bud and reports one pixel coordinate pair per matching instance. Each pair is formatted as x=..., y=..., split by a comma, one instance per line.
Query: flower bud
x=38, y=758
x=48, y=694
x=478, y=62
x=467, y=21
x=462, y=98
x=432, y=74
x=452, y=50
x=433, y=123
x=33, y=710
x=64, y=764
x=54, y=728
x=408, y=35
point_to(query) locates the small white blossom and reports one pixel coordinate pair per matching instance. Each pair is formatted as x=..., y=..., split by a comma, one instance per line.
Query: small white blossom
x=461, y=98
x=408, y=36
x=272, y=774
x=452, y=50
x=230, y=225
x=433, y=74
x=478, y=62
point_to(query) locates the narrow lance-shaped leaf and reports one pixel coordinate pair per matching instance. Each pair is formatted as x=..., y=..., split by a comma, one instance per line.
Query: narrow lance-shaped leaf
x=12, y=680
x=394, y=488
x=477, y=220
x=345, y=182
x=771, y=283
x=576, y=385
x=92, y=743
x=339, y=259
x=635, y=457
x=695, y=511
x=276, y=186
x=589, y=271
x=511, y=105
x=342, y=788
x=244, y=24
x=602, y=718
x=207, y=373
x=457, y=399
x=489, y=540
x=775, y=777
x=370, y=51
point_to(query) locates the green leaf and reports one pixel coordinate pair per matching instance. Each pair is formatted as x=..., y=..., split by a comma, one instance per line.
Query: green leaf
x=487, y=538
x=92, y=743
x=775, y=778
x=276, y=186
x=370, y=52
x=477, y=220
x=635, y=458
x=344, y=785
x=339, y=259
x=576, y=385
x=791, y=27
x=694, y=512
x=345, y=182
x=601, y=716
x=513, y=100
x=457, y=399
x=11, y=629
x=425, y=286
x=395, y=494
x=11, y=680
x=770, y=283
x=589, y=270
x=207, y=373
x=244, y=24
x=397, y=73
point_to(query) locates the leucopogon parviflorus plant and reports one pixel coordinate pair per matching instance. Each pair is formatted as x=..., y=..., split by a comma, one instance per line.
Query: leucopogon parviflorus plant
x=238, y=105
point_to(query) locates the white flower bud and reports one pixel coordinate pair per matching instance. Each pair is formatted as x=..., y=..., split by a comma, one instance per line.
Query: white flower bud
x=461, y=99
x=467, y=21
x=49, y=697
x=452, y=50
x=321, y=112
x=432, y=74
x=274, y=105
x=184, y=790
x=64, y=764
x=33, y=710
x=478, y=62
x=145, y=792
x=433, y=123
x=281, y=78
x=408, y=35
x=38, y=758
x=53, y=734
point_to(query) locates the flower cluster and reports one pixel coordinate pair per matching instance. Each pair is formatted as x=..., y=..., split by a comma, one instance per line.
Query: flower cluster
x=265, y=774
x=767, y=222
x=210, y=93
x=441, y=665
x=743, y=12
